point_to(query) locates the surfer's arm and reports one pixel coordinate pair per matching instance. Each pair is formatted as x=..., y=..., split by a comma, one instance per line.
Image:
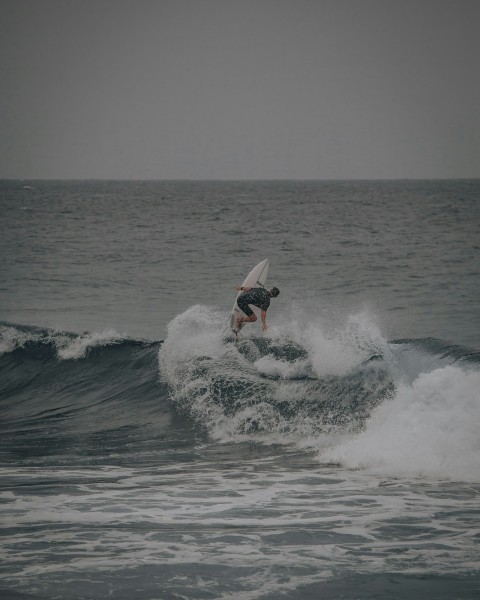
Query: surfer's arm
x=263, y=314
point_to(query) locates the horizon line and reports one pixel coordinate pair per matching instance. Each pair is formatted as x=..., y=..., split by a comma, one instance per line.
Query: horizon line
x=240, y=180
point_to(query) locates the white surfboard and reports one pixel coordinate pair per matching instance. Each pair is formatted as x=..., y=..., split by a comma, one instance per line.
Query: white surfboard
x=256, y=278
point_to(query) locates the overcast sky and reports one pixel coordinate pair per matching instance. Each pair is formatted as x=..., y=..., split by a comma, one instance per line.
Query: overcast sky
x=234, y=89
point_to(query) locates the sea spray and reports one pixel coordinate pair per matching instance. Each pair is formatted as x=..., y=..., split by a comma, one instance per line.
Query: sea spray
x=273, y=388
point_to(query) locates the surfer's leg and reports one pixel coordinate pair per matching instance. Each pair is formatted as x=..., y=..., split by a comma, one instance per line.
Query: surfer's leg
x=249, y=317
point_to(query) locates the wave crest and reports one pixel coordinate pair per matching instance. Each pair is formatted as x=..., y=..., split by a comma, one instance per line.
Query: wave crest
x=68, y=346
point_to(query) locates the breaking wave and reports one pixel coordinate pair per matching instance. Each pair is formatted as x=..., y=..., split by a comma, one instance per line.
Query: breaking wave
x=351, y=397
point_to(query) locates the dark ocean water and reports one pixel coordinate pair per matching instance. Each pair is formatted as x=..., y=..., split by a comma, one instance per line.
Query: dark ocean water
x=144, y=455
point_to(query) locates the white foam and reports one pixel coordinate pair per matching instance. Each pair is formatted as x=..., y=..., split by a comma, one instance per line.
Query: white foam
x=12, y=338
x=429, y=429
x=268, y=365
x=193, y=334
x=73, y=349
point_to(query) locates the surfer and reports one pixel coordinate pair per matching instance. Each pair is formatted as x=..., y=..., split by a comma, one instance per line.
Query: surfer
x=257, y=296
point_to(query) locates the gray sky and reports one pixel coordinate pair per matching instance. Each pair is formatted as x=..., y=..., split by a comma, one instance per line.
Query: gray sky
x=233, y=89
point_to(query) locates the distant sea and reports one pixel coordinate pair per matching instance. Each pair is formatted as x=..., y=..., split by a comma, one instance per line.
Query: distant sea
x=146, y=454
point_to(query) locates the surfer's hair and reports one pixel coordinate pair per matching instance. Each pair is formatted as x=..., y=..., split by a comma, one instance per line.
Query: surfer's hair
x=274, y=292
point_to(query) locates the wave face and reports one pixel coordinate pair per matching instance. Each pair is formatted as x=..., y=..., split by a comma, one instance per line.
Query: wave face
x=404, y=408
x=85, y=397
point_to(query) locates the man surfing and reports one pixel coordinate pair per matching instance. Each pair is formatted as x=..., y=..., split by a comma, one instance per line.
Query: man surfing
x=256, y=296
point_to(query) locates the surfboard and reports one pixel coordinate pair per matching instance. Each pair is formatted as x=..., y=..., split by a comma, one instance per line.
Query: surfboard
x=256, y=278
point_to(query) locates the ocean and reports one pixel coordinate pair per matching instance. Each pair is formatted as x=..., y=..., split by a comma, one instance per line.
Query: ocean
x=145, y=453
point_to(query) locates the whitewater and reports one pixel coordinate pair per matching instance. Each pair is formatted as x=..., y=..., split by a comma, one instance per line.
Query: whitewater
x=354, y=399
x=144, y=453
